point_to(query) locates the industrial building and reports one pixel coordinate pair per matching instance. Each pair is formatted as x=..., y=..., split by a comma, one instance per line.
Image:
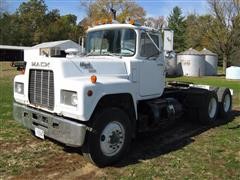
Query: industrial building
x=50, y=49
x=12, y=53
x=47, y=49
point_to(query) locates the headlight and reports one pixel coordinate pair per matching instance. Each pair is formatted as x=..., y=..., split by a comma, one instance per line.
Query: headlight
x=19, y=87
x=69, y=98
x=74, y=99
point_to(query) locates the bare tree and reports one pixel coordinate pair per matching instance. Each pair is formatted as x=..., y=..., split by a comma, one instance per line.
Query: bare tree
x=225, y=27
x=101, y=9
x=156, y=23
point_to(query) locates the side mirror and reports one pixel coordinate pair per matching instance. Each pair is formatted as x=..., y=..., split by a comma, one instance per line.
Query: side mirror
x=20, y=65
x=168, y=40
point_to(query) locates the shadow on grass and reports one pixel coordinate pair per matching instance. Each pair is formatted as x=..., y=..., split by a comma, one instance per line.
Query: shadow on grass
x=221, y=75
x=154, y=144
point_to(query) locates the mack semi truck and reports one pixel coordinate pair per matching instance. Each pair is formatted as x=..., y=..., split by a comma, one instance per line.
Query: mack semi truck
x=99, y=101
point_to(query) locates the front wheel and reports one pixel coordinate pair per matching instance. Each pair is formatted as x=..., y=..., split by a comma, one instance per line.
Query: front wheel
x=110, y=138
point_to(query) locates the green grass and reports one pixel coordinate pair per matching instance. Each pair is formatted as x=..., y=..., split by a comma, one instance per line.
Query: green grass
x=213, y=153
x=210, y=80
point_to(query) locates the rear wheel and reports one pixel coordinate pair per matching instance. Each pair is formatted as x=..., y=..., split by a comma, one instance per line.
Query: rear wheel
x=224, y=102
x=110, y=138
x=208, y=112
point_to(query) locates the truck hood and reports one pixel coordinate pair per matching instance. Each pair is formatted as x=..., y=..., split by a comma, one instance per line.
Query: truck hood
x=82, y=66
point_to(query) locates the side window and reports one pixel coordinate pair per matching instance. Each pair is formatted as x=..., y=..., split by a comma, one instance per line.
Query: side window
x=148, y=49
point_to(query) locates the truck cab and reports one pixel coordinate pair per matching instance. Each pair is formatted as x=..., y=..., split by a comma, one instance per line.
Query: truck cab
x=134, y=46
x=100, y=100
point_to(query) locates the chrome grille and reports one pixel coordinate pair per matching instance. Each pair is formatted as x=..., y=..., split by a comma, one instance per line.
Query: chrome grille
x=41, y=88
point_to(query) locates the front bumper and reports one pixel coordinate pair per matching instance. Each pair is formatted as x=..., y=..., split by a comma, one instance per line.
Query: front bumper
x=60, y=129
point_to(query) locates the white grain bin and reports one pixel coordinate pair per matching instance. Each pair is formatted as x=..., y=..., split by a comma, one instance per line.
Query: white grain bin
x=233, y=72
x=211, y=61
x=191, y=63
x=171, y=63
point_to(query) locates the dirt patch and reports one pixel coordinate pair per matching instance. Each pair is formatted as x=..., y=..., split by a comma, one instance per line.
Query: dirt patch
x=7, y=145
x=55, y=167
x=64, y=166
x=18, y=146
x=88, y=171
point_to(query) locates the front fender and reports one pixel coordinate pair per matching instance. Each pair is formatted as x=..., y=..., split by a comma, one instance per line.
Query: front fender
x=103, y=88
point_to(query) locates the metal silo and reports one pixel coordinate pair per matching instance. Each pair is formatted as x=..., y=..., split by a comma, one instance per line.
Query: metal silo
x=171, y=63
x=191, y=63
x=211, y=61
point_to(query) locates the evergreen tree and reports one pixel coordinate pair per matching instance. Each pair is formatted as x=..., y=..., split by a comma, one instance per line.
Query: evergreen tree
x=177, y=24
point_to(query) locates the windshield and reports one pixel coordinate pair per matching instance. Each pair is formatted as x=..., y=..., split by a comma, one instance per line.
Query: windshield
x=120, y=42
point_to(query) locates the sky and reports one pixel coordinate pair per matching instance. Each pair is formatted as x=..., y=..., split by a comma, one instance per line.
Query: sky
x=153, y=8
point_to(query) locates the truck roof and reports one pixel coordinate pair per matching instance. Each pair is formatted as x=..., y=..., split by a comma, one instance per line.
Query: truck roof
x=111, y=26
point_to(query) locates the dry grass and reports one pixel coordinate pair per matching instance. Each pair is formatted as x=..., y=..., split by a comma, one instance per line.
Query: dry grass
x=6, y=71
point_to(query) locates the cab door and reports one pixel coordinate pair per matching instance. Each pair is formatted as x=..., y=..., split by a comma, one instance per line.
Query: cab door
x=152, y=67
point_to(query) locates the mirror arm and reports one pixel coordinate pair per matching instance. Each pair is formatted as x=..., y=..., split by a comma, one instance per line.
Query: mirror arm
x=153, y=42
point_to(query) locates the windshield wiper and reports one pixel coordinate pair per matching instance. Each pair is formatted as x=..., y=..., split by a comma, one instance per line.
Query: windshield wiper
x=124, y=48
x=109, y=54
x=91, y=53
x=102, y=54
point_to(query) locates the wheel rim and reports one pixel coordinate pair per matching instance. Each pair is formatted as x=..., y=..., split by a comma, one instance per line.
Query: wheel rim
x=226, y=103
x=212, y=107
x=112, y=138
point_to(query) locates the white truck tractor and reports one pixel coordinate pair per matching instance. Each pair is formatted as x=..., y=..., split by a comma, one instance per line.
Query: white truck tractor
x=101, y=100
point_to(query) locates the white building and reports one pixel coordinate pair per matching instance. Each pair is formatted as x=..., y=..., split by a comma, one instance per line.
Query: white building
x=233, y=72
x=12, y=53
x=50, y=49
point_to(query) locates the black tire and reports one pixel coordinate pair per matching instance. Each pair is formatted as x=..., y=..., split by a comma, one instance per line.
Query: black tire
x=93, y=151
x=207, y=114
x=224, y=102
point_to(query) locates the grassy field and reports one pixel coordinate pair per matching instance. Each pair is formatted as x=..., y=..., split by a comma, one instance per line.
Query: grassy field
x=186, y=151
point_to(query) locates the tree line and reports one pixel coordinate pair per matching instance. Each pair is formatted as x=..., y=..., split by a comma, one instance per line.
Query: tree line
x=33, y=23
x=218, y=31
